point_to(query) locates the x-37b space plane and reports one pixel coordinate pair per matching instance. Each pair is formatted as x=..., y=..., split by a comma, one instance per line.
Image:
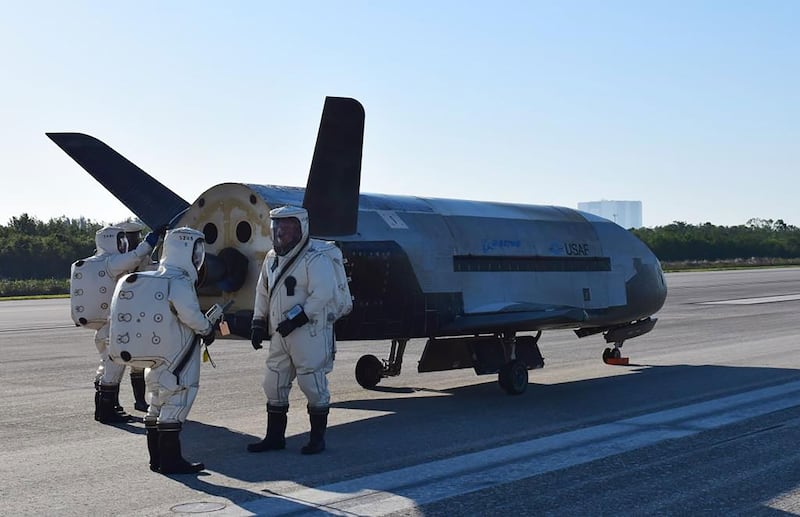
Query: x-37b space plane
x=469, y=276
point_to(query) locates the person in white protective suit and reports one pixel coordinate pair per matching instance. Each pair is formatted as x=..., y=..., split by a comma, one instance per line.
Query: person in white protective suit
x=156, y=322
x=294, y=290
x=133, y=231
x=92, y=282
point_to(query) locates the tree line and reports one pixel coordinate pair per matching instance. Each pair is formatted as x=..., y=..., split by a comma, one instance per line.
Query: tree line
x=33, y=249
x=758, y=238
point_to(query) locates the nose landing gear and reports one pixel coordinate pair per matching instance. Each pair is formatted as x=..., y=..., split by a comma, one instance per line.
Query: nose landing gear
x=614, y=355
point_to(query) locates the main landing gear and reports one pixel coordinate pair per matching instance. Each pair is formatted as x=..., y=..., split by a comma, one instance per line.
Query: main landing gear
x=505, y=354
x=513, y=375
x=370, y=370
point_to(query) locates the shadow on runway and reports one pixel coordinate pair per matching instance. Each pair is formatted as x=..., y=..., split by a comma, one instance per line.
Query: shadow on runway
x=451, y=422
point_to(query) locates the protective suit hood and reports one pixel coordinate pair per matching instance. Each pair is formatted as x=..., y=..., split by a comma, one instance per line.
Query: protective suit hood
x=107, y=240
x=182, y=248
x=296, y=212
x=133, y=230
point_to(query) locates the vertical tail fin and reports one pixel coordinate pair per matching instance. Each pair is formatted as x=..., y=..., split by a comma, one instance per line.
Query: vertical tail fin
x=331, y=196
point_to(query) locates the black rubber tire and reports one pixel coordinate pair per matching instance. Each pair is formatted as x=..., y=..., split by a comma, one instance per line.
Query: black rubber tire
x=513, y=377
x=369, y=371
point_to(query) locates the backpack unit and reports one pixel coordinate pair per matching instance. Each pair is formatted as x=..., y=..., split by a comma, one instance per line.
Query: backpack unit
x=90, y=289
x=342, y=302
x=144, y=331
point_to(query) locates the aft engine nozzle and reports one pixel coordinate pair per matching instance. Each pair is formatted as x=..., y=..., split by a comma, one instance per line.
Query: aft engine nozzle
x=226, y=271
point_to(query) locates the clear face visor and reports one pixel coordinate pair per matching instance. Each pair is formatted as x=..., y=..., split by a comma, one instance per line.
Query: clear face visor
x=122, y=242
x=198, y=253
x=286, y=233
x=134, y=238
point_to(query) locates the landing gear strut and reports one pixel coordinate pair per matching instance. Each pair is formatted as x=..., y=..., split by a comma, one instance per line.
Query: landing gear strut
x=370, y=370
x=513, y=376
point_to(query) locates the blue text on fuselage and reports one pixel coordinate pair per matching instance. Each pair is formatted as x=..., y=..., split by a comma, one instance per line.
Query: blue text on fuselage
x=576, y=248
x=493, y=244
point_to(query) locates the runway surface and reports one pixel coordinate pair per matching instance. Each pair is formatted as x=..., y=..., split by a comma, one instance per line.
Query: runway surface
x=704, y=420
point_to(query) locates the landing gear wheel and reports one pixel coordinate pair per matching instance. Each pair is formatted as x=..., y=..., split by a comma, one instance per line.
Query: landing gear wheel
x=513, y=377
x=611, y=353
x=369, y=370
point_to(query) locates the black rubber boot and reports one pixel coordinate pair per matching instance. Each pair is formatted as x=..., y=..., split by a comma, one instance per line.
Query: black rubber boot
x=97, y=400
x=275, y=438
x=137, y=382
x=106, y=409
x=117, y=407
x=169, y=446
x=319, y=422
x=152, y=445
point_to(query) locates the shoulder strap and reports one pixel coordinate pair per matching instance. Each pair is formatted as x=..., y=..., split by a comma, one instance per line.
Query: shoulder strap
x=288, y=267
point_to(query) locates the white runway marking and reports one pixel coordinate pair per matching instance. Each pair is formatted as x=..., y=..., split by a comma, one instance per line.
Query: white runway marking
x=753, y=301
x=406, y=488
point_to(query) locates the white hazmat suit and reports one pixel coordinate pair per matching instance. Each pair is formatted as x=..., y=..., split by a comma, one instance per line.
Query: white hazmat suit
x=156, y=322
x=92, y=282
x=293, y=296
x=133, y=231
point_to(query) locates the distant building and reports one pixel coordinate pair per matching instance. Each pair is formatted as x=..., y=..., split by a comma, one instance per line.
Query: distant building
x=627, y=214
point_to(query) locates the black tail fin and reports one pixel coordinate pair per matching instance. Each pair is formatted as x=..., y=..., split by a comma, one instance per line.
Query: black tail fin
x=152, y=202
x=332, y=190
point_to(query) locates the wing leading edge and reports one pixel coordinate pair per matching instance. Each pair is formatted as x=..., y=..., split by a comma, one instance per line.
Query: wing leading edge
x=151, y=201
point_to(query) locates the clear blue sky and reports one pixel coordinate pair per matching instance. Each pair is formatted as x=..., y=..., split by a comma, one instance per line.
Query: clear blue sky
x=691, y=107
